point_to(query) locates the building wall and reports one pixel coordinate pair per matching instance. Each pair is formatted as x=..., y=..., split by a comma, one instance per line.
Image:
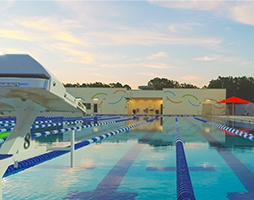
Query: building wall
x=175, y=101
x=109, y=100
x=189, y=101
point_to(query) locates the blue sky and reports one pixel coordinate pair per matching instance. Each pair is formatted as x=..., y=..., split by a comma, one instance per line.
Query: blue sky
x=132, y=41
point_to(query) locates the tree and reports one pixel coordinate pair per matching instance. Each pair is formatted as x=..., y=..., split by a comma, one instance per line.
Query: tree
x=116, y=85
x=160, y=83
x=127, y=87
x=188, y=85
x=99, y=84
x=242, y=87
x=68, y=85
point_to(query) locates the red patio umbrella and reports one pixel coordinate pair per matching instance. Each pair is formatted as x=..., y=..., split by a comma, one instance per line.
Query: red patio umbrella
x=234, y=100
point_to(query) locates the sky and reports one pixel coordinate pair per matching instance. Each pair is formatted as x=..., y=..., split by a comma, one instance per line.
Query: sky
x=132, y=42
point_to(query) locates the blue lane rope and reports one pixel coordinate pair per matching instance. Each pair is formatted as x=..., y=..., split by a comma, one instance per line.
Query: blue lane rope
x=24, y=164
x=44, y=120
x=45, y=133
x=55, y=124
x=12, y=122
x=246, y=135
x=184, y=185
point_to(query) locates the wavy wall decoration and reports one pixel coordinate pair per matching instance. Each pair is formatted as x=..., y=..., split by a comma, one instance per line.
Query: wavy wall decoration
x=190, y=102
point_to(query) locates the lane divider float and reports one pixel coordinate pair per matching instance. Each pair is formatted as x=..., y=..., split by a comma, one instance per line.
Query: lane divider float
x=184, y=185
x=24, y=164
x=46, y=133
x=246, y=135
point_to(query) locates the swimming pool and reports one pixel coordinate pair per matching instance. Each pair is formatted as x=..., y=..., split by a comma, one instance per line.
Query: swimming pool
x=141, y=164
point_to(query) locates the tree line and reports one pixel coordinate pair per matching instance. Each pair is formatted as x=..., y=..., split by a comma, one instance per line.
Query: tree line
x=98, y=84
x=242, y=87
x=160, y=83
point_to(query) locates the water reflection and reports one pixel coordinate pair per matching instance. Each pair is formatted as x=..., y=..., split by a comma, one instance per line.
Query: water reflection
x=232, y=141
x=164, y=136
x=55, y=138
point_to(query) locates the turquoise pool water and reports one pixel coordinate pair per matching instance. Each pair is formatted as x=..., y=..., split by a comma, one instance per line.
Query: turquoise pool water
x=140, y=164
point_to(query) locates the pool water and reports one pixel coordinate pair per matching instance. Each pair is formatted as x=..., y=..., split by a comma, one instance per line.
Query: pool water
x=141, y=164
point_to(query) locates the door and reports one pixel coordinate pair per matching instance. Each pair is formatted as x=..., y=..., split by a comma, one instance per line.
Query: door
x=95, y=108
x=207, y=109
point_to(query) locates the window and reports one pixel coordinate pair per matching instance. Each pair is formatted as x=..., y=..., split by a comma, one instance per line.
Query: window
x=88, y=106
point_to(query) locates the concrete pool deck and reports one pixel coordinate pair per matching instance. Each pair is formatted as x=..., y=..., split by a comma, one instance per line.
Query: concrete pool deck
x=247, y=119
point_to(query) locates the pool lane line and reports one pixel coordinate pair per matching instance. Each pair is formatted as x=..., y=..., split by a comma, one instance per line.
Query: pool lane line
x=171, y=169
x=35, y=122
x=13, y=123
x=64, y=167
x=92, y=134
x=243, y=134
x=184, y=185
x=107, y=188
x=45, y=133
x=241, y=171
x=58, y=124
x=24, y=164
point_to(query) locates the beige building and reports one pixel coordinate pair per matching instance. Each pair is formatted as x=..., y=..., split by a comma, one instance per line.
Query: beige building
x=168, y=101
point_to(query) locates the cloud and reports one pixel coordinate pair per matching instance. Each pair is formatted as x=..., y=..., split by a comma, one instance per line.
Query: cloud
x=71, y=53
x=192, y=78
x=150, y=74
x=135, y=65
x=243, y=13
x=238, y=11
x=102, y=75
x=224, y=59
x=137, y=37
x=6, y=6
x=117, y=65
x=8, y=50
x=19, y=35
x=157, y=56
x=52, y=27
x=110, y=66
x=244, y=63
x=85, y=8
x=108, y=33
x=185, y=26
x=206, y=58
x=88, y=69
x=120, y=64
x=189, y=4
x=158, y=66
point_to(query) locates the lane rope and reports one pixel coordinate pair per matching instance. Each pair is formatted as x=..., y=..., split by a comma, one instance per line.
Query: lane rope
x=243, y=134
x=24, y=164
x=45, y=133
x=184, y=185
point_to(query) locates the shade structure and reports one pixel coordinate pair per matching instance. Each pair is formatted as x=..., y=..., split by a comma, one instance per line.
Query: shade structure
x=234, y=100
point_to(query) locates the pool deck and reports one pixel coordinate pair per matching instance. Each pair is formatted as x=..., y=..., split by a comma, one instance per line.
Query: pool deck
x=248, y=119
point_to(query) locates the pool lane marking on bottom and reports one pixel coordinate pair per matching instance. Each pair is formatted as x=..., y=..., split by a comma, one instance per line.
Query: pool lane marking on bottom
x=107, y=188
x=169, y=169
x=196, y=169
x=24, y=164
x=77, y=167
x=241, y=171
